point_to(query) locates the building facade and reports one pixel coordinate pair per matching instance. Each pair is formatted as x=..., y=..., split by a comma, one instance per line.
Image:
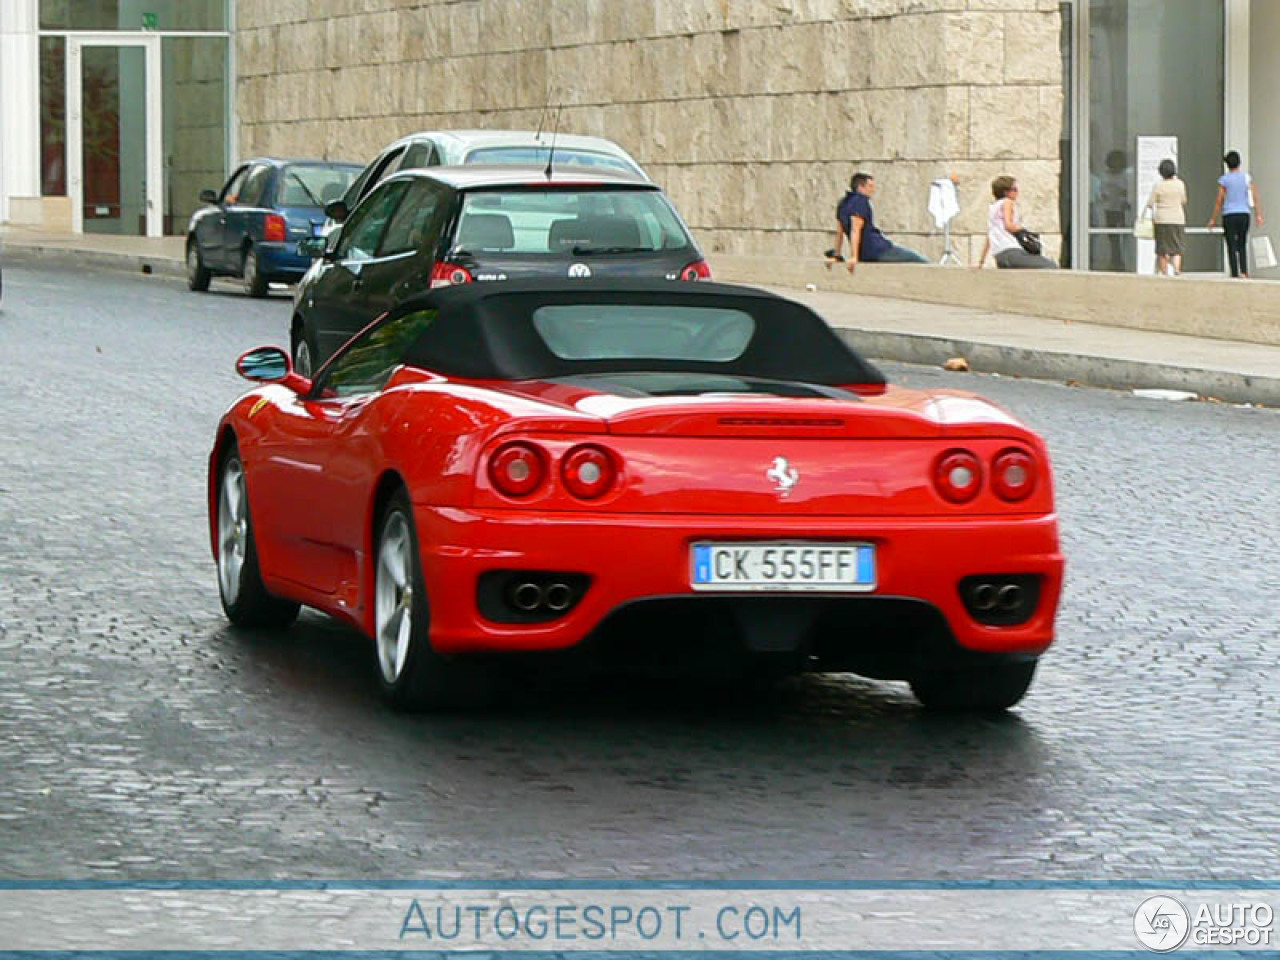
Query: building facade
x=752, y=114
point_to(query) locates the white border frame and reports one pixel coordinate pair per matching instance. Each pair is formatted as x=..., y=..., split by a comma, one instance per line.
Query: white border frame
x=154, y=120
x=1235, y=114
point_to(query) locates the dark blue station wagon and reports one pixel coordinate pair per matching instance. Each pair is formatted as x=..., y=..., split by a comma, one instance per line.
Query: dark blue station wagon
x=251, y=228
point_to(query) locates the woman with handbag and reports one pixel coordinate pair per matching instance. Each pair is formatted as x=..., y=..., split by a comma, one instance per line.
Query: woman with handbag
x=1013, y=246
x=1236, y=195
x=1168, y=206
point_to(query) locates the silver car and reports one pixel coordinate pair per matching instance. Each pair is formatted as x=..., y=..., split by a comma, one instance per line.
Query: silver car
x=447, y=148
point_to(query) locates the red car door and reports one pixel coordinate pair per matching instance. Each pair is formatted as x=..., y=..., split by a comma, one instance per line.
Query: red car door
x=290, y=494
x=316, y=468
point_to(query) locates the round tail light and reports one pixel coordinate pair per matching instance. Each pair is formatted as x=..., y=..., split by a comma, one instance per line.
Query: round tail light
x=445, y=274
x=517, y=469
x=698, y=270
x=588, y=472
x=1013, y=475
x=958, y=476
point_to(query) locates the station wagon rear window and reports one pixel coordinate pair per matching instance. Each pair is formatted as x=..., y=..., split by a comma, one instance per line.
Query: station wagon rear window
x=642, y=332
x=567, y=222
x=308, y=185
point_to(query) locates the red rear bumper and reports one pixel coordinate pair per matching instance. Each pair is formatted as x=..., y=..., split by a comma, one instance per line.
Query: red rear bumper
x=634, y=557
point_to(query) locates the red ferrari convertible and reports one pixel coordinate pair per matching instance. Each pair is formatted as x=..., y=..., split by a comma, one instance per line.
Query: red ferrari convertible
x=515, y=467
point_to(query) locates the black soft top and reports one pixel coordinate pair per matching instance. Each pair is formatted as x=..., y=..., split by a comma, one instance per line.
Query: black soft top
x=485, y=331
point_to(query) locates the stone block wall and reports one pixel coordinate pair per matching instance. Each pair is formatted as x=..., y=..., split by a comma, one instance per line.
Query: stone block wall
x=753, y=114
x=195, y=125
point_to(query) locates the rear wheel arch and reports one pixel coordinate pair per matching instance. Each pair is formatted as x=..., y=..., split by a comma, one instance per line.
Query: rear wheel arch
x=383, y=491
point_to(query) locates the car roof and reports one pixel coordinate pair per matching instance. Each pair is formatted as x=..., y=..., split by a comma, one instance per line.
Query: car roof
x=485, y=330
x=300, y=161
x=525, y=174
x=476, y=139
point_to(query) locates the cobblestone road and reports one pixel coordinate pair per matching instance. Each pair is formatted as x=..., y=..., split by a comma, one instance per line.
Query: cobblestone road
x=141, y=738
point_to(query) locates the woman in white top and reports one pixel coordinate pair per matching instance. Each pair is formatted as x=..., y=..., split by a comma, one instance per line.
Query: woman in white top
x=1002, y=224
x=1168, y=203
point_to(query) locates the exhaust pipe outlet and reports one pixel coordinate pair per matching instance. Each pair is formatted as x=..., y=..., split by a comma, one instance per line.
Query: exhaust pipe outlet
x=558, y=597
x=985, y=597
x=1010, y=596
x=526, y=596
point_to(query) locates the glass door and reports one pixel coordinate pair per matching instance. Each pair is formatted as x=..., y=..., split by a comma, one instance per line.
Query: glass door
x=113, y=135
x=1153, y=71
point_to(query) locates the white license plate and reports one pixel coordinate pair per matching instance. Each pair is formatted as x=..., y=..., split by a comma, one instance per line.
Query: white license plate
x=833, y=567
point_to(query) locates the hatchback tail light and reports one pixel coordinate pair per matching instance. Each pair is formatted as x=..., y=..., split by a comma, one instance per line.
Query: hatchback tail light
x=698, y=270
x=517, y=469
x=445, y=274
x=588, y=472
x=273, y=228
x=958, y=476
x=1013, y=475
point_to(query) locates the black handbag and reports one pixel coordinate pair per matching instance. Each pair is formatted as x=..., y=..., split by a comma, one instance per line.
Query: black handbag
x=1029, y=241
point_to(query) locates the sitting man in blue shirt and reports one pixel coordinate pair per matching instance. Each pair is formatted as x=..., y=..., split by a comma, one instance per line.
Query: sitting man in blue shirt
x=857, y=222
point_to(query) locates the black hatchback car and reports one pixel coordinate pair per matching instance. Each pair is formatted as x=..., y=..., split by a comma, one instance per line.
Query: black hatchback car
x=472, y=224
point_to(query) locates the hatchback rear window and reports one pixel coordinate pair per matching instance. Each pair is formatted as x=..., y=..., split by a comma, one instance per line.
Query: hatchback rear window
x=642, y=332
x=568, y=222
x=305, y=185
x=539, y=156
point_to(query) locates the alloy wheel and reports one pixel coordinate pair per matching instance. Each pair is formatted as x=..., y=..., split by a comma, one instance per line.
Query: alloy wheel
x=393, y=596
x=233, y=530
x=302, y=358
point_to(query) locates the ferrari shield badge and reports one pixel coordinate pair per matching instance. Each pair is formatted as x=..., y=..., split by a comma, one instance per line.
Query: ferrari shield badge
x=783, y=475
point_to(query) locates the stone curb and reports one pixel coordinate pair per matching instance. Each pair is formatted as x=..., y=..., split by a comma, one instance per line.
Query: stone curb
x=885, y=345
x=71, y=257
x=1095, y=371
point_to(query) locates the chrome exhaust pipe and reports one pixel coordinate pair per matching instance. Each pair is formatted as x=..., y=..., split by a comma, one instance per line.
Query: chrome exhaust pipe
x=985, y=597
x=1009, y=597
x=526, y=596
x=559, y=597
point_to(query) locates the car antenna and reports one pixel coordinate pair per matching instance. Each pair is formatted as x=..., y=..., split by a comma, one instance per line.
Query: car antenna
x=542, y=115
x=551, y=154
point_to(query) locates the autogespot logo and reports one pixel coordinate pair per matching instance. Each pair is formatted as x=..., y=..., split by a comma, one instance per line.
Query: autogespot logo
x=1161, y=924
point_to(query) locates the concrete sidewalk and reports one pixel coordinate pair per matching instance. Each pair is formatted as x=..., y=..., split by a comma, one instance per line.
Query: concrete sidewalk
x=881, y=327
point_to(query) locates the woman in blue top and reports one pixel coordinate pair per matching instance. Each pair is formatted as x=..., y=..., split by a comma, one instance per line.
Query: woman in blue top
x=1236, y=194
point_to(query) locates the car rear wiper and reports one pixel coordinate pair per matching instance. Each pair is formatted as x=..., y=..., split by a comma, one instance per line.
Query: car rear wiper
x=314, y=199
x=587, y=251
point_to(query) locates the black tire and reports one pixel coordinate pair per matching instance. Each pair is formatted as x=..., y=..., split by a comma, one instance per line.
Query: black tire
x=245, y=599
x=418, y=679
x=304, y=350
x=255, y=284
x=989, y=687
x=198, y=275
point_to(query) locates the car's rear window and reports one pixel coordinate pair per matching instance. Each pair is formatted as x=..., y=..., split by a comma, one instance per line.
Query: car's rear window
x=539, y=156
x=568, y=222
x=308, y=185
x=644, y=332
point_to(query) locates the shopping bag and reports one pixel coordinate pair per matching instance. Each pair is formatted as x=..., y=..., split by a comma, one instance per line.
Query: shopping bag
x=1264, y=255
x=1144, y=228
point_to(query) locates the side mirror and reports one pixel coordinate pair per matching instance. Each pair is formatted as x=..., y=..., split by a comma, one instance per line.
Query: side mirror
x=271, y=365
x=311, y=247
x=336, y=211
x=208, y=196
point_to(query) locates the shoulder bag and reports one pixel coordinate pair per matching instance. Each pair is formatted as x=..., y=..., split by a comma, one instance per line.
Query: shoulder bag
x=1029, y=241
